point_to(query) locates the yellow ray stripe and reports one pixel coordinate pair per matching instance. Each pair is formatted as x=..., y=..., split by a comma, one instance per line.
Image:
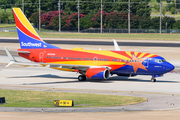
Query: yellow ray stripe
x=24, y=20
x=106, y=53
x=150, y=55
x=129, y=53
x=135, y=53
x=142, y=54
x=90, y=63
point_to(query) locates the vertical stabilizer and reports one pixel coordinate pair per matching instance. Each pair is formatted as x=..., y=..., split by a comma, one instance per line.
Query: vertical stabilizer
x=28, y=37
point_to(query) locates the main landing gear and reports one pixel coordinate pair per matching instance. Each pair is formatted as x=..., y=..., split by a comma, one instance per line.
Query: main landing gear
x=82, y=78
x=153, y=79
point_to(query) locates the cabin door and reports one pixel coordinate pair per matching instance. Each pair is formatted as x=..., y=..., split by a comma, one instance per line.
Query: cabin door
x=41, y=57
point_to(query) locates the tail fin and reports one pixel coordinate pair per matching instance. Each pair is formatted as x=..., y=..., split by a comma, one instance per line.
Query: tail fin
x=28, y=37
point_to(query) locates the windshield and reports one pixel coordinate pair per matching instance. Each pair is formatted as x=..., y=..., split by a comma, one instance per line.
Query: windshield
x=160, y=60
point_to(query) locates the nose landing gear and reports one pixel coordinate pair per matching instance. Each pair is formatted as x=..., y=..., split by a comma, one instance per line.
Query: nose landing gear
x=153, y=79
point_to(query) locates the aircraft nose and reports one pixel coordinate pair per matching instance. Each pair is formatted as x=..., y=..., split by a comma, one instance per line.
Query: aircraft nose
x=169, y=67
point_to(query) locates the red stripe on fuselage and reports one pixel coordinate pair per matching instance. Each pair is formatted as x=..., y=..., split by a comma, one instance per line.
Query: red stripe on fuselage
x=153, y=56
x=139, y=54
x=24, y=29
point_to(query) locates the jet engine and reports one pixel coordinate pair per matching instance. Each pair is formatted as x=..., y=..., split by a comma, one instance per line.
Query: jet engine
x=97, y=73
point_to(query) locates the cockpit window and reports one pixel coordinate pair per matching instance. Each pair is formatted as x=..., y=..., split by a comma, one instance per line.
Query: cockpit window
x=164, y=60
x=160, y=61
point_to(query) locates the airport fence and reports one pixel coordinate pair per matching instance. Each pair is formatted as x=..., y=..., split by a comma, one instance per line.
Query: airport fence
x=104, y=30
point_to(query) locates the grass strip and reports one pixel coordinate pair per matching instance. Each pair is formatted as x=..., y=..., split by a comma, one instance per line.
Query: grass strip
x=22, y=98
x=7, y=25
x=150, y=36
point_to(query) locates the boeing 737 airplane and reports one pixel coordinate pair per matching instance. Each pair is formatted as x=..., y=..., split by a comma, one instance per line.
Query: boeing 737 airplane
x=90, y=64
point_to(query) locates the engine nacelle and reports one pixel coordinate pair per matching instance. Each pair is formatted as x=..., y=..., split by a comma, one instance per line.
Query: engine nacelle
x=97, y=73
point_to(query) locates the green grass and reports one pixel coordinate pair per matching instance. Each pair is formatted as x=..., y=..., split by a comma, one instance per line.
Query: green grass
x=7, y=25
x=20, y=98
x=152, y=36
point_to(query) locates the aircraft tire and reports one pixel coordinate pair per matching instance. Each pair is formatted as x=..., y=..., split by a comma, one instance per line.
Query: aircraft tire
x=153, y=80
x=82, y=78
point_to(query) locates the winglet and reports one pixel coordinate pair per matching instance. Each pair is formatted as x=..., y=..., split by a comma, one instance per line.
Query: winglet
x=12, y=59
x=116, y=46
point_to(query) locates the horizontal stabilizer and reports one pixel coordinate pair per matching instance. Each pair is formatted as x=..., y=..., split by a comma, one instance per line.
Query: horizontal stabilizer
x=12, y=59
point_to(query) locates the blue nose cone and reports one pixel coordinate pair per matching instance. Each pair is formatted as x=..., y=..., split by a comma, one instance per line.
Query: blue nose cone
x=169, y=67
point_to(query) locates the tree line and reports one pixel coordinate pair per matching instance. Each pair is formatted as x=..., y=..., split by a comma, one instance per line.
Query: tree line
x=114, y=13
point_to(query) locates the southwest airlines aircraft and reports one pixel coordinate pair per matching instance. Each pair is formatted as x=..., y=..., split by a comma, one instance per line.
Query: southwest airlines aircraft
x=91, y=64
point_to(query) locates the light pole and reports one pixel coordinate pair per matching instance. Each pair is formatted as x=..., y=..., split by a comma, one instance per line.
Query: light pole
x=78, y=16
x=59, y=8
x=166, y=27
x=129, y=28
x=160, y=19
x=101, y=16
x=23, y=6
x=39, y=15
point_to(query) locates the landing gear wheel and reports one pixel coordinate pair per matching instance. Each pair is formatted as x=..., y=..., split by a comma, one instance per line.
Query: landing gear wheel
x=153, y=80
x=82, y=78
